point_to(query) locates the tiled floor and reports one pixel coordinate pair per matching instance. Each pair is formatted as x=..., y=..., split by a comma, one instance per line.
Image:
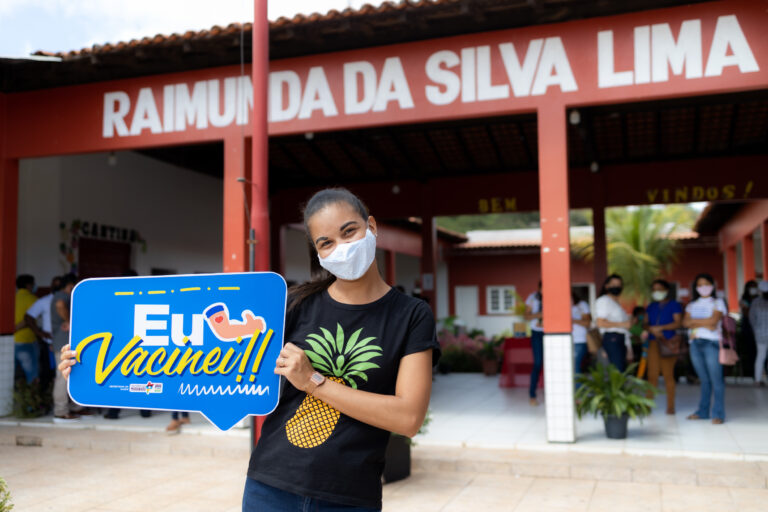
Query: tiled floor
x=471, y=410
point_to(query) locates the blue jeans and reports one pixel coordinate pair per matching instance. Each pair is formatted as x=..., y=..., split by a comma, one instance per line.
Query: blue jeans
x=579, y=353
x=27, y=356
x=613, y=344
x=705, y=356
x=537, y=344
x=259, y=497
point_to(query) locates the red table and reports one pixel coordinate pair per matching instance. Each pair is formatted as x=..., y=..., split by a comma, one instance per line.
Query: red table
x=517, y=363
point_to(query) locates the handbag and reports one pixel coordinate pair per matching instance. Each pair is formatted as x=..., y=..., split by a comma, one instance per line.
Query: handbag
x=671, y=347
x=728, y=355
x=594, y=340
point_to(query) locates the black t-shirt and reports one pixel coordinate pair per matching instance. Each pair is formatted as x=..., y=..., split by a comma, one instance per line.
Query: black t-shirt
x=307, y=447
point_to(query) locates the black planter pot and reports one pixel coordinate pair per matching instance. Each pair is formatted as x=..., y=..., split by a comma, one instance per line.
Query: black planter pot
x=397, y=459
x=616, y=427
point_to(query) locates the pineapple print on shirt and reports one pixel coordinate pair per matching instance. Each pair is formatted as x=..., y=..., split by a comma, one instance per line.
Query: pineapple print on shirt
x=341, y=361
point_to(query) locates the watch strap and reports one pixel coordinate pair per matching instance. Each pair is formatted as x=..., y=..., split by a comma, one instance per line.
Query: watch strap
x=315, y=380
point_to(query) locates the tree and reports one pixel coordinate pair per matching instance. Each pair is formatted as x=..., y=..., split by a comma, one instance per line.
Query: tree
x=640, y=244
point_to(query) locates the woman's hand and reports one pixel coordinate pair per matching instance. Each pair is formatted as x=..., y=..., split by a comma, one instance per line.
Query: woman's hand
x=294, y=365
x=67, y=361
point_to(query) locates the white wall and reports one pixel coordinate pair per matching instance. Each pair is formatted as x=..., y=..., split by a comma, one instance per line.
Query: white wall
x=407, y=271
x=177, y=211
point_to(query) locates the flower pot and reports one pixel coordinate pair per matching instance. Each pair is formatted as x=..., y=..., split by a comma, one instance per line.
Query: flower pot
x=616, y=427
x=490, y=367
x=397, y=459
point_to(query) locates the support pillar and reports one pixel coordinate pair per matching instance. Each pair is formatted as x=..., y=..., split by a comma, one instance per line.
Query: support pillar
x=235, y=255
x=748, y=257
x=732, y=279
x=9, y=212
x=390, y=268
x=260, y=145
x=556, y=273
x=764, y=252
x=428, y=249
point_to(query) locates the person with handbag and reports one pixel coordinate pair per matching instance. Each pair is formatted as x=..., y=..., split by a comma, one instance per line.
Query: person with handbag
x=703, y=317
x=758, y=318
x=614, y=323
x=664, y=316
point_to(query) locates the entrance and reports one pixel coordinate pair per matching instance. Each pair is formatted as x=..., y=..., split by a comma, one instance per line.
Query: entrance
x=103, y=258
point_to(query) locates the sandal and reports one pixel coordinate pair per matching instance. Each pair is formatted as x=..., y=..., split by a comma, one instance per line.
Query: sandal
x=693, y=416
x=717, y=421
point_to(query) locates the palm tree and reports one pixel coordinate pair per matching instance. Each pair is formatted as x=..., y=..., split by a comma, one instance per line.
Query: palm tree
x=641, y=244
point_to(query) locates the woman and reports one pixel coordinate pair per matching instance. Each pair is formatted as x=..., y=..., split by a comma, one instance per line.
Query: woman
x=663, y=317
x=336, y=464
x=581, y=320
x=614, y=322
x=533, y=314
x=703, y=317
x=747, y=346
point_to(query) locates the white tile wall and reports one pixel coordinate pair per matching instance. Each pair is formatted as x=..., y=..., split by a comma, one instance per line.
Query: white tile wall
x=6, y=375
x=558, y=388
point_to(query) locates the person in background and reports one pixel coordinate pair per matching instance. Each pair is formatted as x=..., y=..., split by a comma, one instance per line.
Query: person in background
x=664, y=318
x=614, y=322
x=62, y=405
x=758, y=318
x=25, y=350
x=636, y=332
x=533, y=315
x=703, y=316
x=581, y=319
x=41, y=311
x=747, y=343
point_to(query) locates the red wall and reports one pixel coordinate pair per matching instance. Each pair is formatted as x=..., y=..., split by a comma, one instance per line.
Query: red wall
x=524, y=271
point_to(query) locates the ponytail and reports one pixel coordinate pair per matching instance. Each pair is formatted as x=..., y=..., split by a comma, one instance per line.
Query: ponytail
x=321, y=278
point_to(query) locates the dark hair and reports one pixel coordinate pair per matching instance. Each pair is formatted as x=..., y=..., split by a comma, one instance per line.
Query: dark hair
x=575, y=296
x=321, y=278
x=745, y=294
x=55, y=284
x=665, y=284
x=638, y=310
x=707, y=277
x=68, y=279
x=603, y=291
x=24, y=280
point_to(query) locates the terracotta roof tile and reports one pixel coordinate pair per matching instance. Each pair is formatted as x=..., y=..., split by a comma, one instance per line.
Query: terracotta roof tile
x=233, y=28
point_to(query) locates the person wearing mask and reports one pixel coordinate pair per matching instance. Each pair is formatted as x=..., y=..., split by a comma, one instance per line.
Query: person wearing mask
x=758, y=317
x=747, y=343
x=297, y=465
x=581, y=319
x=533, y=315
x=703, y=317
x=25, y=350
x=614, y=323
x=664, y=316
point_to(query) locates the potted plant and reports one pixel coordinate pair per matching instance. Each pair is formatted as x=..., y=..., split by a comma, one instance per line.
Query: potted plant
x=616, y=396
x=397, y=458
x=489, y=353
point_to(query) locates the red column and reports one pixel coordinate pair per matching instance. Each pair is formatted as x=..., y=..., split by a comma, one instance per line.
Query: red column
x=260, y=171
x=732, y=279
x=748, y=257
x=9, y=202
x=764, y=241
x=235, y=253
x=553, y=198
x=428, y=249
x=389, y=260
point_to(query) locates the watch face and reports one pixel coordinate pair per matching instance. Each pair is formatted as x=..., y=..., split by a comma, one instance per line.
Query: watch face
x=317, y=378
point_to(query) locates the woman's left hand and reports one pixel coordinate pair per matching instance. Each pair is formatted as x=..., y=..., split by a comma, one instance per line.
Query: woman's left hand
x=294, y=365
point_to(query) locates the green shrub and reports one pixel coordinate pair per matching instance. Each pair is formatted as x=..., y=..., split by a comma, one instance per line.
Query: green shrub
x=5, y=497
x=606, y=391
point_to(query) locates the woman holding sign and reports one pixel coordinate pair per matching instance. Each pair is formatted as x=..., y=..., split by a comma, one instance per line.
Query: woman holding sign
x=358, y=363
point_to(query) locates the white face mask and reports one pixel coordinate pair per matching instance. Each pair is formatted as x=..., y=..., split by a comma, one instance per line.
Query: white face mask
x=351, y=260
x=659, y=295
x=705, y=290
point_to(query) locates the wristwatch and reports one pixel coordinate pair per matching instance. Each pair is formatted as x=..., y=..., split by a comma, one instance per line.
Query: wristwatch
x=315, y=380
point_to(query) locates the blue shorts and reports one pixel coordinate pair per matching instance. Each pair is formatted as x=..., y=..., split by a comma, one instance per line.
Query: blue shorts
x=259, y=497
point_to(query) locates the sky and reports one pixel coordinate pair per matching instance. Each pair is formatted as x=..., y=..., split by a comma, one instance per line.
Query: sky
x=27, y=26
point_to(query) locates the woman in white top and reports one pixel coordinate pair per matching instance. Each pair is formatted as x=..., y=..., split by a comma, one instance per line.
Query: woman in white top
x=703, y=316
x=614, y=322
x=581, y=320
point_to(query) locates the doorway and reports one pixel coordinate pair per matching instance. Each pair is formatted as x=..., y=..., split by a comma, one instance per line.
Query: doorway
x=103, y=258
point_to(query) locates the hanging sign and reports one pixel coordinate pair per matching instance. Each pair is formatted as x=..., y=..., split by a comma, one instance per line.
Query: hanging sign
x=205, y=343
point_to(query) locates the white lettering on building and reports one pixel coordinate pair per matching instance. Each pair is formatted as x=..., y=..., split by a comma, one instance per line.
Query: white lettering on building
x=657, y=53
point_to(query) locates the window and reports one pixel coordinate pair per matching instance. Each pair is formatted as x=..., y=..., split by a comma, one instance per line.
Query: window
x=500, y=300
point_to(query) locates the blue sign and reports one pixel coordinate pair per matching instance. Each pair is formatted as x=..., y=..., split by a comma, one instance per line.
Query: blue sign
x=204, y=343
